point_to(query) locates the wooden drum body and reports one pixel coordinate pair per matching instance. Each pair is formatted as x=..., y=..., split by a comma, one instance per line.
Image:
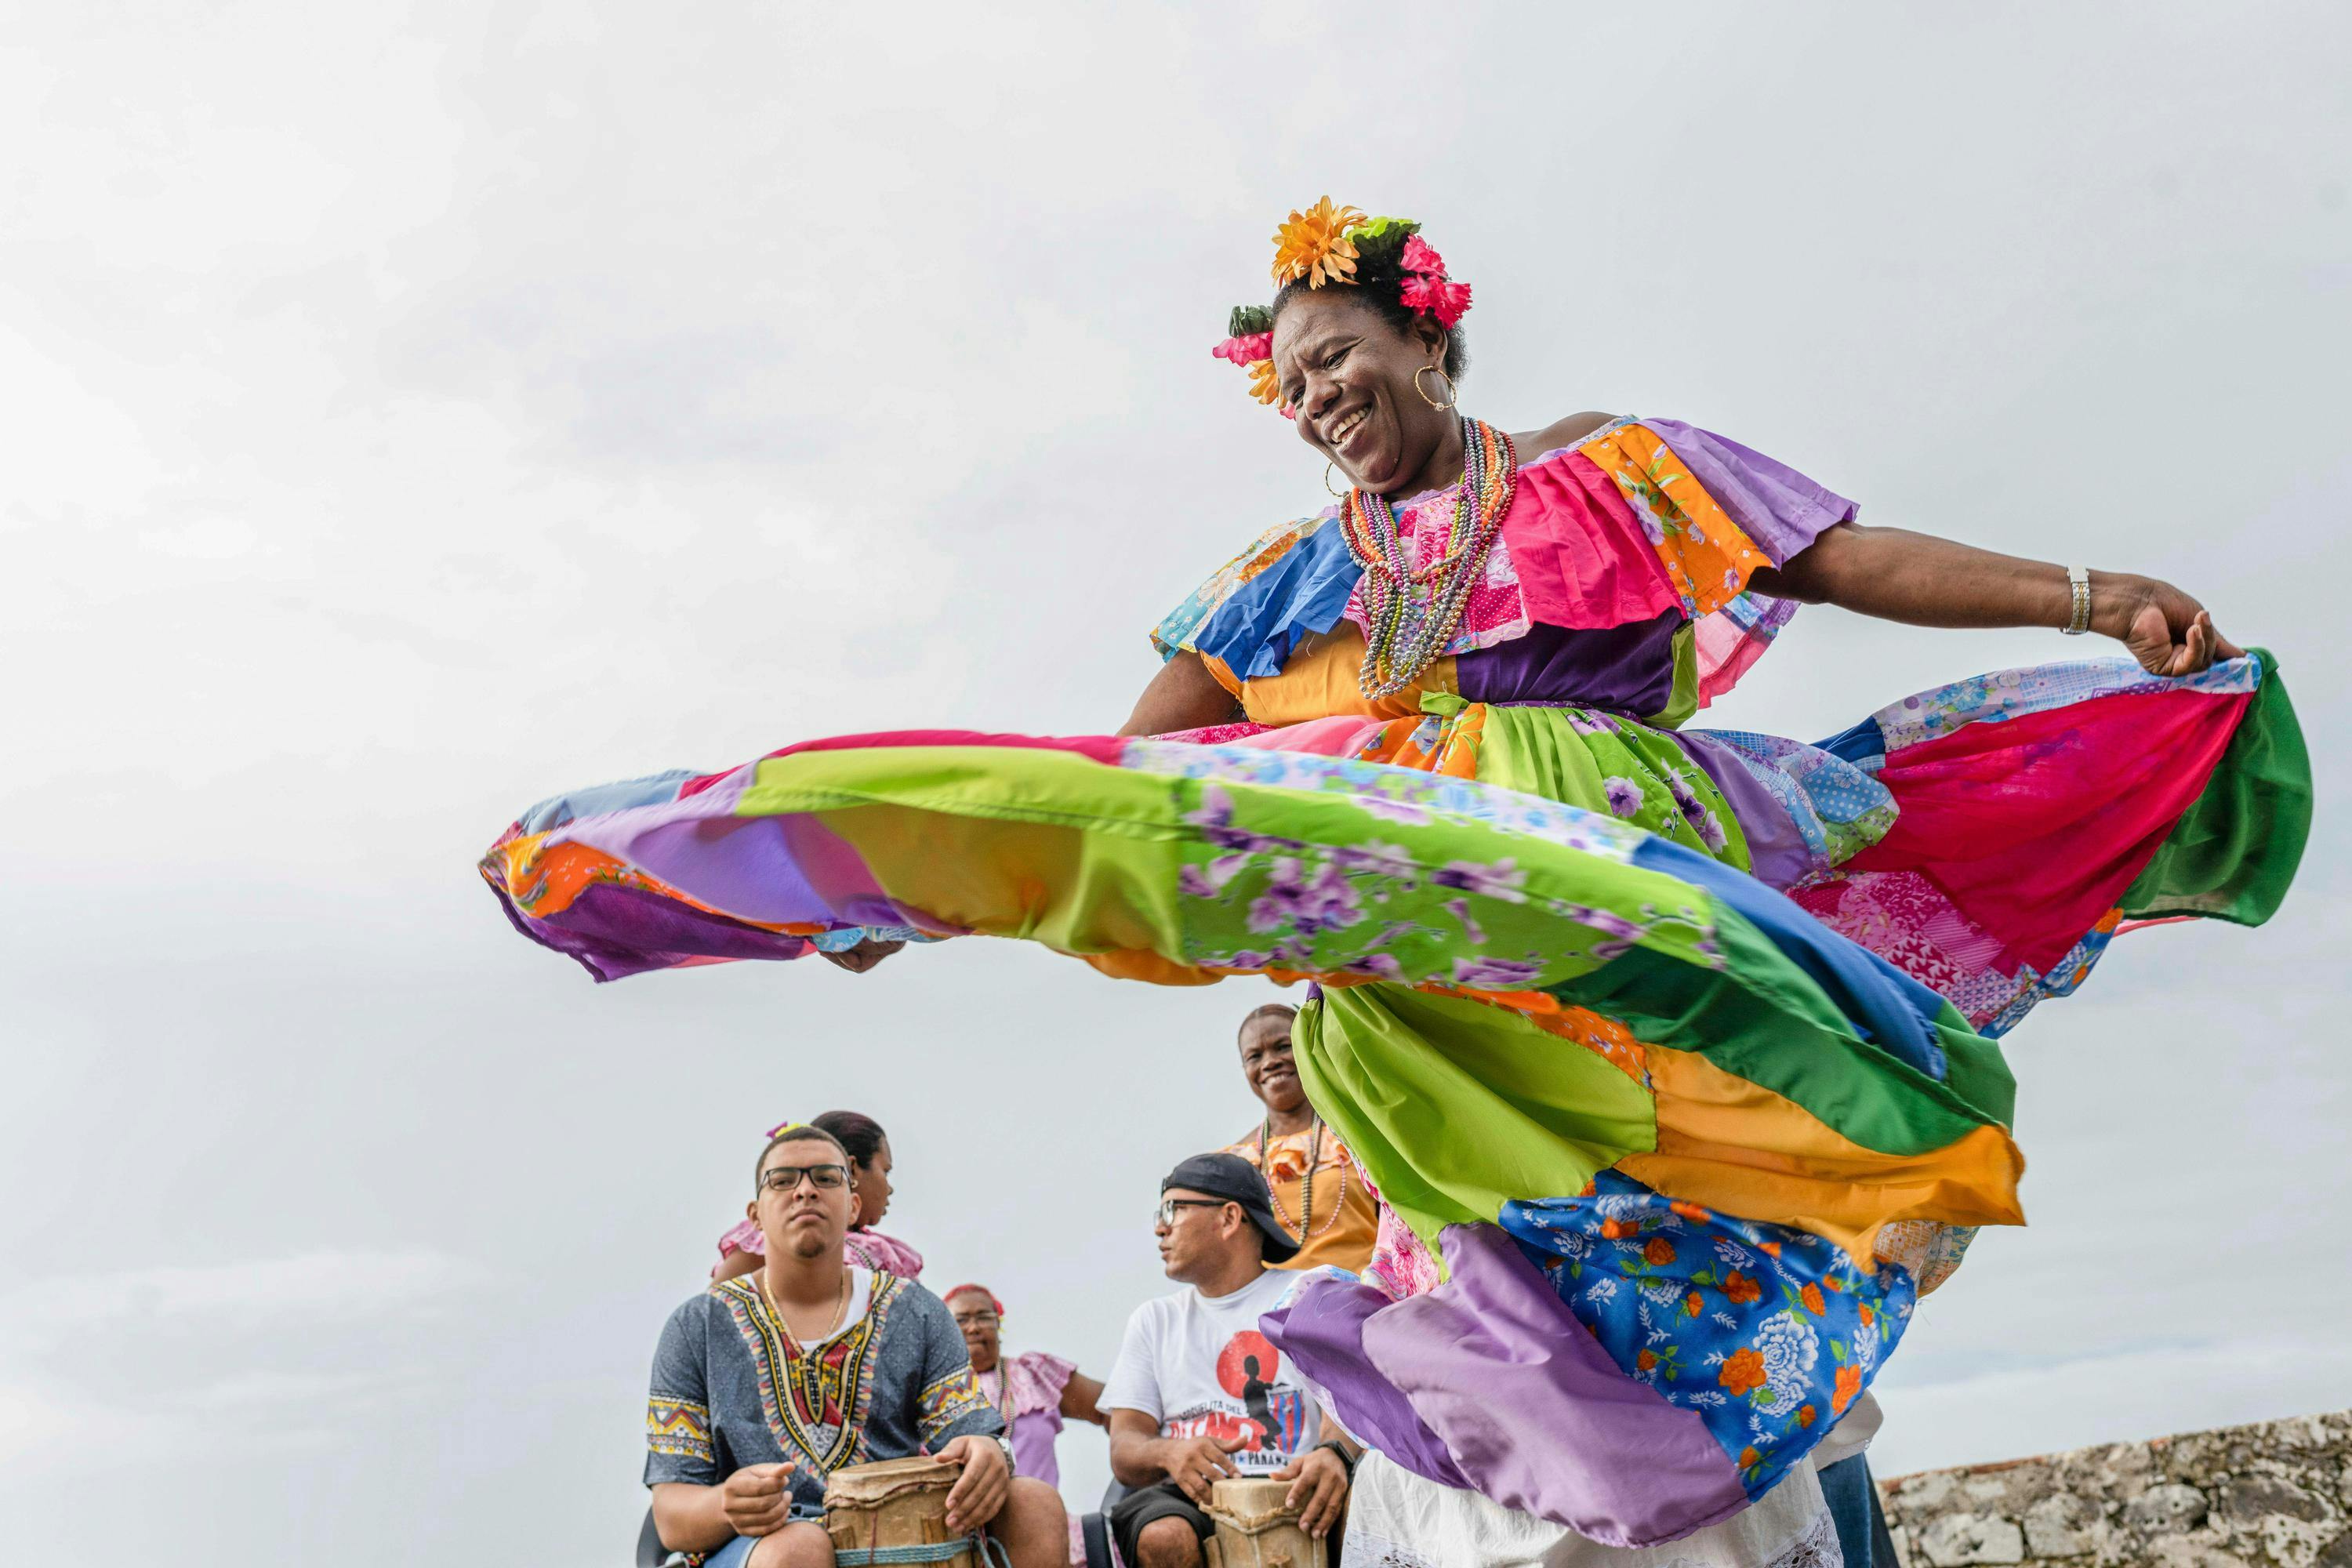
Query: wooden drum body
x=894, y=1503
x=1256, y=1529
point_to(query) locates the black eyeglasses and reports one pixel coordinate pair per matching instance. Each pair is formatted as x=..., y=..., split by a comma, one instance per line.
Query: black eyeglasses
x=1166, y=1213
x=784, y=1178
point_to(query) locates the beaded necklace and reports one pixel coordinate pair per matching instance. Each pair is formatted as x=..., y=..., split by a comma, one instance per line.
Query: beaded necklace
x=1414, y=611
x=1003, y=1400
x=1305, y=1185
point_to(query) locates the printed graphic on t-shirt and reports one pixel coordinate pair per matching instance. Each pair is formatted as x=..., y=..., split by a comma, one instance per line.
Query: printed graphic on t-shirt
x=1271, y=1420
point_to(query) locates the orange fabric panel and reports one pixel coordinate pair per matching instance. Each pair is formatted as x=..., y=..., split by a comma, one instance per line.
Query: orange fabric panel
x=544, y=880
x=1736, y=1146
x=1705, y=553
x=1320, y=681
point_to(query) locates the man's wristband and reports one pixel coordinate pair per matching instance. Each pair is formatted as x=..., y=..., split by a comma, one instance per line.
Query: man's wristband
x=1346, y=1460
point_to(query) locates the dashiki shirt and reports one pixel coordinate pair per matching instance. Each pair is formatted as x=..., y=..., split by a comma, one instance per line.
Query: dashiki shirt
x=731, y=1387
x=1340, y=1230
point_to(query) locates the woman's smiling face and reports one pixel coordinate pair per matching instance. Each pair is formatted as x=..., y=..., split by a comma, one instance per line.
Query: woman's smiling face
x=1348, y=374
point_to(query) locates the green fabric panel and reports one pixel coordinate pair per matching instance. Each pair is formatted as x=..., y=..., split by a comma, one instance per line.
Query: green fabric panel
x=1768, y=1021
x=1454, y=1106
x=1057, y=847
x=2232, y=854
x=1682, y=701
x=1541, y=752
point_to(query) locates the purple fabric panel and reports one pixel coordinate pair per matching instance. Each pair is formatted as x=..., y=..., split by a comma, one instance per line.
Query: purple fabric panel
x=1534, y=1410
x=616, y=931
x=1623, y=669
x=1778, y=508
x=1033, y=1446
x=1321, y=1329
x=1778, y=854
x=753, y=868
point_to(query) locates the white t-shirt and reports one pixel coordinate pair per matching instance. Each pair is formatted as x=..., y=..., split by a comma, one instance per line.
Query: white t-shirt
x=1201, y=1367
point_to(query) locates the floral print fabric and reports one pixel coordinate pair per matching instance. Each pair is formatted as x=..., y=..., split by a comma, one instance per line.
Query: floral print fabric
x=1766, y=1331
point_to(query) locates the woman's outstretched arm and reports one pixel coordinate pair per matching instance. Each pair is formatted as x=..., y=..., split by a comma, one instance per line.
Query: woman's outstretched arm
x=1924, y=581
x=1183, y=696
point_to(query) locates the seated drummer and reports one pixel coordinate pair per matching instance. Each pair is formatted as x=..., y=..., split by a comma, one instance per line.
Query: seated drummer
x=765, y=1384
x=1198, y=1393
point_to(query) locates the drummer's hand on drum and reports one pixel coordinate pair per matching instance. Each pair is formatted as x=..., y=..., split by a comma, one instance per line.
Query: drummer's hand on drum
x=1195, y=1463
x=980, y=1492
x=864, y=956
x=758, y=1499
x=1320, y=1489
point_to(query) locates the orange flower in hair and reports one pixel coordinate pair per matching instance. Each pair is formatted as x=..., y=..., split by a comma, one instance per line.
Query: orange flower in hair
x=1314, y=245
x=1265, y=382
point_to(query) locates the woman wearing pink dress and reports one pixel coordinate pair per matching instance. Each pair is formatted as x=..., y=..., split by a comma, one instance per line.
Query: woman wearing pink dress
x=741, y=1249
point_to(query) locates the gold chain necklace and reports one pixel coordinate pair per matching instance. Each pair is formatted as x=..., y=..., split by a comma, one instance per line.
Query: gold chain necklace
x=810, y=1374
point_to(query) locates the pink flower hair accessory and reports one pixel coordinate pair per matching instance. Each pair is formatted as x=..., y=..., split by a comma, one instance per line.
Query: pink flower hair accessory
x=1419, y=257
x=1436, y=297
x=1247, y=349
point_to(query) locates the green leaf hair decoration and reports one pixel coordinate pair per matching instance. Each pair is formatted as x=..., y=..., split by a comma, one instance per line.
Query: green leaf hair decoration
x=1380, y=242
x=1248, y=320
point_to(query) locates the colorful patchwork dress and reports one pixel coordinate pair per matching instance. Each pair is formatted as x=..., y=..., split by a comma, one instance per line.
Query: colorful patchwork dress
x=1671, y=1052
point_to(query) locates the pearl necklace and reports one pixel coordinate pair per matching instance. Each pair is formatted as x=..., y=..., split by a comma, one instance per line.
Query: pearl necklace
x=1305, y=1185
x=1414, y=611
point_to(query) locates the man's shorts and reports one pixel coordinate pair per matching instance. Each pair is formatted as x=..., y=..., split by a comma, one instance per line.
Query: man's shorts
x=734, y=1554
x=1130, y=1513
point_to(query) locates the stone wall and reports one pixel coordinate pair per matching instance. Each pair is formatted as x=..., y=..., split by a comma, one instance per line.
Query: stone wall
x=2278, y=1495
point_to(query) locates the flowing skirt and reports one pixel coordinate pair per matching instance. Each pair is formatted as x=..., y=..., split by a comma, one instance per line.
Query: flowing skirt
x=1672, y=1053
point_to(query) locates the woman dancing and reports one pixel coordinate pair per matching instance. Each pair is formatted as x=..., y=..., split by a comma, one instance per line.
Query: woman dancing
x=1670, y=1053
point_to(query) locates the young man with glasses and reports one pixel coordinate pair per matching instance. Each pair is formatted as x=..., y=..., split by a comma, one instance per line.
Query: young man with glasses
x=1199, y=1392
x=765, y=1384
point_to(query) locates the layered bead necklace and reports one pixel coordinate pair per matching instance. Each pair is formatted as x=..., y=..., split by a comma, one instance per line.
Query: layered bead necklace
x=1307, y=1184
x=1412, y=611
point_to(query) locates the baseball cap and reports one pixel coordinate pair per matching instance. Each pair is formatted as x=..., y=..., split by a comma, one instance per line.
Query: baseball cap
x=1235, y=1179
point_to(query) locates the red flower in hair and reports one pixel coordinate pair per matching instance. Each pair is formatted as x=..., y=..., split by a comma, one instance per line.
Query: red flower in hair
x=1419, y=257
x=1436, y=297
x=1246, y=349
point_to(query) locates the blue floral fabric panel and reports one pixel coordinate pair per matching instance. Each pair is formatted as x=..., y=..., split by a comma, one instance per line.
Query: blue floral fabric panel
x=1766, y=1333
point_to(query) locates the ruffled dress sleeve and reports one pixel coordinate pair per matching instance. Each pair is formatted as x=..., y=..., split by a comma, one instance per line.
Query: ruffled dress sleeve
x=1654, y=517
x=886, y=1253
x=1647, y=529
x=1037, y=1381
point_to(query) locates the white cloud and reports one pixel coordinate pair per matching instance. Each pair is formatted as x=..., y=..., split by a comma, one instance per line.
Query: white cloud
x=334, y=1285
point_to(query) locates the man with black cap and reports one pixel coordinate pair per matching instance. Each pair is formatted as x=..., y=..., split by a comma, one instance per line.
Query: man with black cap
x=1199, y=1392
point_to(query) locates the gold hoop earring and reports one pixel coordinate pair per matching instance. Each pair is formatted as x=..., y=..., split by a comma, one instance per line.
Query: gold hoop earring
x=1448, y=380
x=1336, y=495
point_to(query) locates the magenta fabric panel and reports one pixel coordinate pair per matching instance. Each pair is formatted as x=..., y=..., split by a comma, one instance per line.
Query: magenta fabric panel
x=2034, y=826
x=1582, y=557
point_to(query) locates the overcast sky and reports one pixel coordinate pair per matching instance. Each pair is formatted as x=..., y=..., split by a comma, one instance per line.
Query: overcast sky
x=414, y=411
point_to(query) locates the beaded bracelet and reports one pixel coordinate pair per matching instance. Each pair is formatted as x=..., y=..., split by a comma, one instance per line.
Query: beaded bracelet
x=2078, y=579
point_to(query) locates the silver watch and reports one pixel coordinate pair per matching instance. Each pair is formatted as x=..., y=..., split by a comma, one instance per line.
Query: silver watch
x=1004, y=1447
